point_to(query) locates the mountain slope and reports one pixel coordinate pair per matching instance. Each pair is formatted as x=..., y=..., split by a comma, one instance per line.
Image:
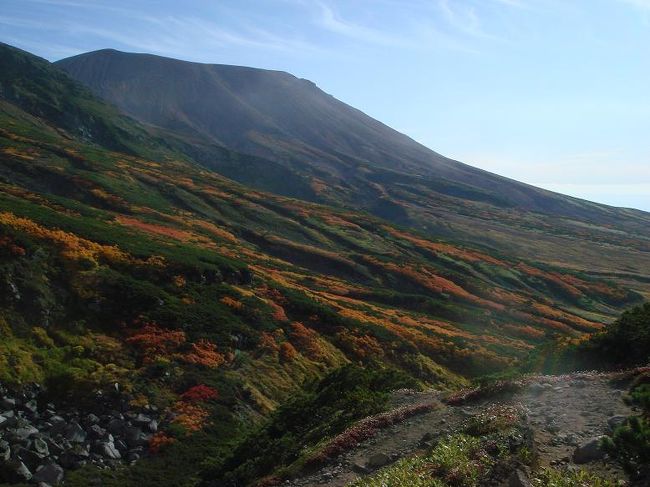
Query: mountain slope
x=273, y=113
x=142, y=269
x=339, y=156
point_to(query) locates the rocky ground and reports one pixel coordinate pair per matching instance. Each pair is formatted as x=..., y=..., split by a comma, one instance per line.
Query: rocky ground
x=567, y=415
x=39, y=441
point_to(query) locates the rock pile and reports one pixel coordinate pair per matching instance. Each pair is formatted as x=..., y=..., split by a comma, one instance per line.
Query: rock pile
x=39, y=441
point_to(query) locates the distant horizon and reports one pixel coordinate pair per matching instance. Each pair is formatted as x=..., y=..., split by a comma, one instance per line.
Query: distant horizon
x=545, y=93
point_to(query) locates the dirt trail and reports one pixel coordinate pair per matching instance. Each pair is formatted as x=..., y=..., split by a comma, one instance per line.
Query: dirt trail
x=564, y=412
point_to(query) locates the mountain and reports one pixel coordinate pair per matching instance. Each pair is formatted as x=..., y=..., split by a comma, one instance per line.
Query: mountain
x=181, y=308
x=314, y=147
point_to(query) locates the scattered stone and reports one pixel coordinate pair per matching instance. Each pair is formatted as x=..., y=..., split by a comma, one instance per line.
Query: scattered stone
x=519, y=478
x=31, y=406
x=38, y=443
x=75, y=433
x=108, y=450
x=14, y=471
x=616, y=421
x=589, y=451
x=51, y=474
x=40, y=447
x=377, y=460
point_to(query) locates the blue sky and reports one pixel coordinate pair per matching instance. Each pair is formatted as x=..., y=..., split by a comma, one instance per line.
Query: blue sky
x=551, y=92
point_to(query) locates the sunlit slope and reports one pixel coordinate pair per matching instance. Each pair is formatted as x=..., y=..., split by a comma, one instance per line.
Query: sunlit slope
x=177, y=231
x=317, y=148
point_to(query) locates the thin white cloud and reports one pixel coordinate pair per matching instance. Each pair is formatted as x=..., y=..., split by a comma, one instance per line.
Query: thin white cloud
x=642, y=4
x=331, y=21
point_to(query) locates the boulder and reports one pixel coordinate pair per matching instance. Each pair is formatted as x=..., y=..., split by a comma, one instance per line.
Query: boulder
x=28, y=457
x=519, y=478
x=51, y=474
x=23, y=433
x=616, y=421
x=31, y=406
x=135, y=437
x=40, y=447
x=96, y=431
x=116, y=426
x=377, y=460
x=107, y=450
x=75, y=433
x=5, y=451
x=7, y=403
x=91, y=419
x=14, y=471
x=589, y=451
x=142, y=420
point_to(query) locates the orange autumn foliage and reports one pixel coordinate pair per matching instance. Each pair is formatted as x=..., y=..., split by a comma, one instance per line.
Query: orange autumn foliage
x=192, y=417
x=200, y=393
x=360, y=346
x=72, y=247
x=231, y=302
x=154, y=342
x=268, y=343
x=306, y=340
x=159, y=441
x=154, y=229
x=287, y=352
x=204, y=353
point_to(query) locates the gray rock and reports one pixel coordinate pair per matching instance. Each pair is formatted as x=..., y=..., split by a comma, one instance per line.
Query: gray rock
x=7, y=403
x=5, y=451
x=358, y=468
x=14, y=471
x=71, y=461
x=616, y=421
x=519, y=478
x=50, y=474
x=108, y=450
x=121, y=446
x=40, y=447
x=377, y=460
x=31, y=406
x=29, y=457
x=153, y=426
x=96, y=431
x=135, y=437
x=91, y=419
x=53, y=446
x=75, y=433
x=23, y=432
x=133, y=456
x=116, y=426
x=589, y=451
x=142, y=420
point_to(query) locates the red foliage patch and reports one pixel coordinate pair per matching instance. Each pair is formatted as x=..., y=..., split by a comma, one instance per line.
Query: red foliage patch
x=154, y=342
x=364, y=429
x=159, y=441
x=200, y=393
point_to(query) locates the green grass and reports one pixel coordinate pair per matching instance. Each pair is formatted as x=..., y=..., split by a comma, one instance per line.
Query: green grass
x=457, y=461
x=552, y=477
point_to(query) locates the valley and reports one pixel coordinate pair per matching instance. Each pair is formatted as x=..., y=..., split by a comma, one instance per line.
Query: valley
x=255, y=316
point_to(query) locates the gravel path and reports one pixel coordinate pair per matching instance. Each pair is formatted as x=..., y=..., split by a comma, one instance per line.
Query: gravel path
x=564, y=412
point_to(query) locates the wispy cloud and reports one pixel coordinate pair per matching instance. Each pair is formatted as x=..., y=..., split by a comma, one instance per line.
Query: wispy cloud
x=331, y=21
x=642, y=4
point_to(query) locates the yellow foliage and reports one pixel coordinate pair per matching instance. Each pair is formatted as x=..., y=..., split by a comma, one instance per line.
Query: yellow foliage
x=72, y=247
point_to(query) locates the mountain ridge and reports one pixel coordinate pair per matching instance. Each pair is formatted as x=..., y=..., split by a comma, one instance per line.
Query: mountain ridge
x=346, y=164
